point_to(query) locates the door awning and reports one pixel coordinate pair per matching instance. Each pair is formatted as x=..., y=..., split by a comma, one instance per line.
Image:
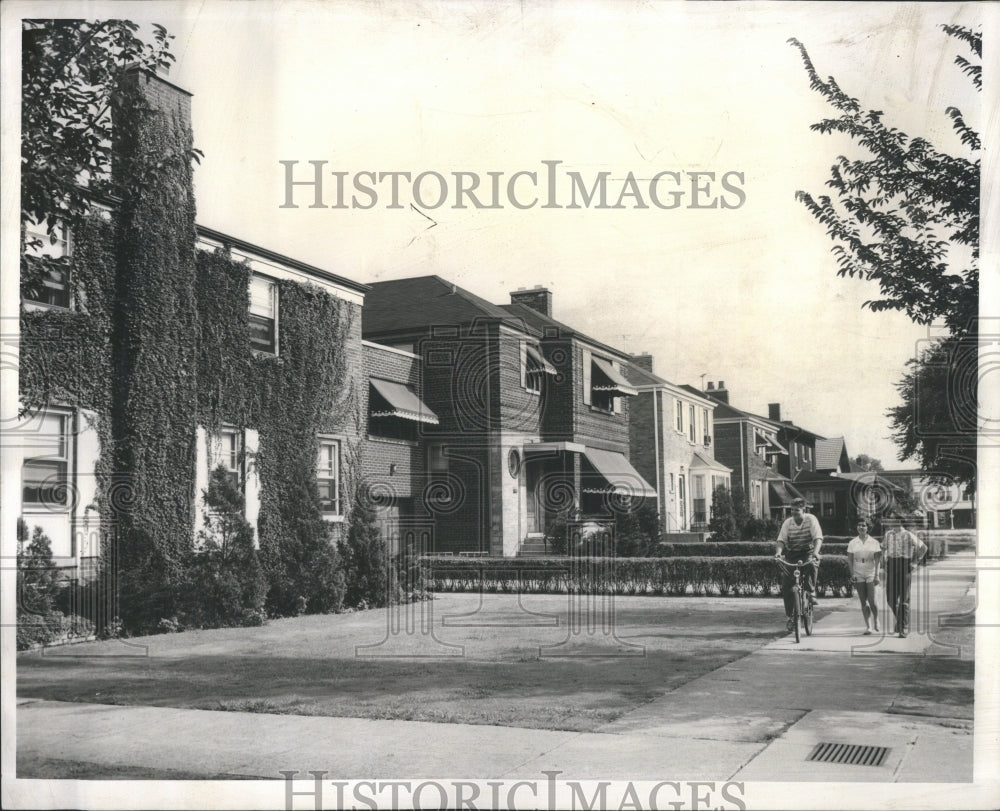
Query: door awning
x=613, y=380
x=700, y=460
x=542, y=366
x=620, y=476
x=391, y=399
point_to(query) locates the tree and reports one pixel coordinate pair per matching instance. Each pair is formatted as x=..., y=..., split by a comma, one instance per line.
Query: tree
x=899, y=211
x=864, y=462
x=907, y=217
x=936, y=422
x=723, y=525
x=70, y=71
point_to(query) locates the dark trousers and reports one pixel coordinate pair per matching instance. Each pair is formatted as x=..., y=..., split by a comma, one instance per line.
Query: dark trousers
x=897, y=590
x=808, y=574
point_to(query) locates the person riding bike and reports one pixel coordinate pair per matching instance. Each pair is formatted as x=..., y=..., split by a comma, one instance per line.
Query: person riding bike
x=799, y=540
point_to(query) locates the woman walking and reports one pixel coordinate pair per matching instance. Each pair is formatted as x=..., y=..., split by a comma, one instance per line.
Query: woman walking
x=864, y=554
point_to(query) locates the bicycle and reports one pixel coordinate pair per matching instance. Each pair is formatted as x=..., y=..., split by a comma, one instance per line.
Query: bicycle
x=802, y=608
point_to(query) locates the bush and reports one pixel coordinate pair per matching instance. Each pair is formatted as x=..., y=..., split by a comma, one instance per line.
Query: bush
x=693, y=575
x=224, y=582
x=39, y=622
x=369, y=577
x=760, y=529
x=732, y=549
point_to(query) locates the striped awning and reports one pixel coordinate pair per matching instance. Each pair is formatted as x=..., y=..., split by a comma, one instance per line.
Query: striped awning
x=619, y=475
x=390, y=399
x=542, y=366
x=613, y=380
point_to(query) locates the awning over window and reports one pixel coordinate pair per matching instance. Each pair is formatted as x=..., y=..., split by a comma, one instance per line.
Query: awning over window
x=620, y=476
x=782, y=493
x=542, y=366
x=613, y=380
x=396, y=400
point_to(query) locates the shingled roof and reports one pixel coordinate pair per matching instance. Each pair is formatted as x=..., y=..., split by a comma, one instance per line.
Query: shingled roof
x=421, y=302
x=830, y=453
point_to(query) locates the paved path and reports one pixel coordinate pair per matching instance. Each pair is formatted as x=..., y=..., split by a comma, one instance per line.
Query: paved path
x=757, y=718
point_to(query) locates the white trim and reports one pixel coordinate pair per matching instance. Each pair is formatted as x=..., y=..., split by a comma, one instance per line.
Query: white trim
x=267, y=268
x=392, y=349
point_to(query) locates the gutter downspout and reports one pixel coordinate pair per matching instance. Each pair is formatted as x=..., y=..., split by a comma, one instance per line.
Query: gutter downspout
x=656, y=452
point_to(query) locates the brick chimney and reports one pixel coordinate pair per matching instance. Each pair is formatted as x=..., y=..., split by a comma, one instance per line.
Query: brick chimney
x=774, y=411
x=643, y=361
x=538, y=298
x=719, y=393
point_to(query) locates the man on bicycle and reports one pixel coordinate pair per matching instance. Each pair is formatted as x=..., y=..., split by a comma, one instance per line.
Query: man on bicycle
x=798, y=541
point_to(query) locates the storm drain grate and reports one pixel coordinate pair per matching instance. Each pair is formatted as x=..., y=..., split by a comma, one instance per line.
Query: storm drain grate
x=852, y=754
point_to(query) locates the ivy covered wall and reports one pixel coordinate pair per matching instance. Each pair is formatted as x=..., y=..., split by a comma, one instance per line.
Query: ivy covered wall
x=158, y=343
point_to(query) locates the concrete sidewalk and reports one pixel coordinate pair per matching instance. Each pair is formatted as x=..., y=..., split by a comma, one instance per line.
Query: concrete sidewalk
x=757, y=718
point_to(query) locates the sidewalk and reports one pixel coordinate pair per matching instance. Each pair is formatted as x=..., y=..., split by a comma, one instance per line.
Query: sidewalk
x=757, y=718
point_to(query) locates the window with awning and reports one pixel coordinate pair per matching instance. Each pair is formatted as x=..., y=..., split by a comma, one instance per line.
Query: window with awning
x=534, y=367
x=606, y=384
x=395, y=410
x=614, y=474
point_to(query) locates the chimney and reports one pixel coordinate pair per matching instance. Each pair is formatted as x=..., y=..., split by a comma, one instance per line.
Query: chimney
x=719, y=393
x=538, y=298
x=643, y=361
x=711, y=386
x=774, y=411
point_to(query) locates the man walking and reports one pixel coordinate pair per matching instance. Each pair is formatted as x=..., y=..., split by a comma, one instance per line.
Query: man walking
x=902, y=550
x=799, y=540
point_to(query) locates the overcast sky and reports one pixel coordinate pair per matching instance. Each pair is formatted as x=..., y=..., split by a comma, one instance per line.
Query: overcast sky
x=748, y=295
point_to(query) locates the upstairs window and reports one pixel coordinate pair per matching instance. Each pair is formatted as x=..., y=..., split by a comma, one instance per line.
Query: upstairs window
x=395, y=411
x=328, y=476
x=606, y=386
x=45, y=473
x=692, y=428
x=707, y=427
x=55, y=251
x=264, y=314
x=534, y=367
x=680, y=416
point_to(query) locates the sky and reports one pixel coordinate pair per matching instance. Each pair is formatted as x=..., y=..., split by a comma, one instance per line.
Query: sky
x=745, y=295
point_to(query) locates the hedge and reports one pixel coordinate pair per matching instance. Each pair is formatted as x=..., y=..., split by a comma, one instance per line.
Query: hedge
x=693, y=575
x=733, y=549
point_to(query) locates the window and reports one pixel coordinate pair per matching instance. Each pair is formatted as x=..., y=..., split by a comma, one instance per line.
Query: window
x=700, y=513
x=54, y=289
x=395, y=411
x=680, y=416
x=604, y=385
x=692, y=428
x=671, y=482
x=264, y=315
x=227, y=452
x=534, y=367
x=45, y=474
x=707, y=427
x=328, y=476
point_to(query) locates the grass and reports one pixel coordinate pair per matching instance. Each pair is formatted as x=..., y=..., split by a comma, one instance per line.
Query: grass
x=491, y=659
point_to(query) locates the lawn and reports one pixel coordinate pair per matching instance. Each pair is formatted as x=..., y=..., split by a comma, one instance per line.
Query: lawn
x=461, y=658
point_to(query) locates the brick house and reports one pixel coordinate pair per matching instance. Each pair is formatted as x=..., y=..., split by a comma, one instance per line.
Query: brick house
x=748, y=443
x=532, y=414
x=672, y=441
x=364, y=435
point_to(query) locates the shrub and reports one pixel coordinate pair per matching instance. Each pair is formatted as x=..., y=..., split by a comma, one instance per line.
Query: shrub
x=224, y=582
x=696, y=575
x=732, y=549
x=759, y=529
x=369, y=577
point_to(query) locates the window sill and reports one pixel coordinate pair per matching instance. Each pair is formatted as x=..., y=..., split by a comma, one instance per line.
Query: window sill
x=30, y=305
x=260, y=353
x=334, y=518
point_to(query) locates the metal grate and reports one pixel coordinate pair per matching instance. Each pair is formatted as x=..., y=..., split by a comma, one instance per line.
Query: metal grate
x=852, y=754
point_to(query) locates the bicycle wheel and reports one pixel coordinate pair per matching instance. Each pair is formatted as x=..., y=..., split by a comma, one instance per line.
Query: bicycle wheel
x=807, y=617
x=797, y=612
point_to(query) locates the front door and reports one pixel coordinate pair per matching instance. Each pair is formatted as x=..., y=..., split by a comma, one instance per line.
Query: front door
x=536, y=512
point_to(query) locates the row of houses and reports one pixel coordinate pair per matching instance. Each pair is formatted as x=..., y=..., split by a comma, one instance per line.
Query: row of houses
x=469, y=426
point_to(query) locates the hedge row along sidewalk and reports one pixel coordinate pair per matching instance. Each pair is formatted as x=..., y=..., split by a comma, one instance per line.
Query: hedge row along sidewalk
x=748, y=576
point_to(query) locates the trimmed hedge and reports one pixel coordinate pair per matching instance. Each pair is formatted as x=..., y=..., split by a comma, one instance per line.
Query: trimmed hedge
x=737, y=549
x=693, y=575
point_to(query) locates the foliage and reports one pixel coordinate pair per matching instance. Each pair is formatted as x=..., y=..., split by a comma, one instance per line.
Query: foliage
x=937, y=420
x=737, y=576
x=225, y=583
x=71, y=70
x=733, y=549
x=637, y=530
x=368, y=574
x=39, y=622
x=863, y=462
x=898, y=211
x=759, y=529
x=908, y=218
x=723, y=525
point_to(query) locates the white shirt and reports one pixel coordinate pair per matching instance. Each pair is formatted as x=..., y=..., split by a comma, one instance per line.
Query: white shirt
x=864, y=553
